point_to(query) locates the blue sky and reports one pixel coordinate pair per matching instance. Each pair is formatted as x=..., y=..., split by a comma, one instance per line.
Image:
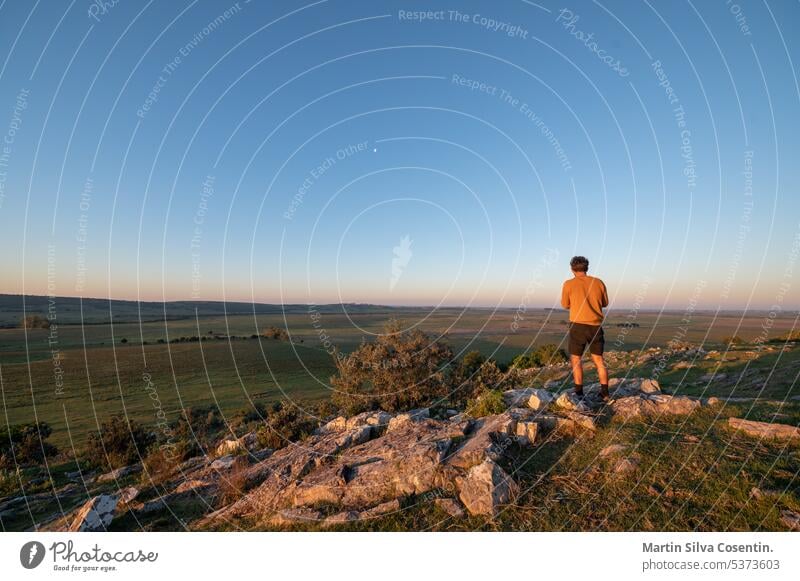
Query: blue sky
x=281, y=151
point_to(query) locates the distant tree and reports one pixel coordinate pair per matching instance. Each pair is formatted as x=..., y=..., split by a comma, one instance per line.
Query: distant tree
x=732, y=340
x=123, y=340
x=273, y=332
x=35, y=322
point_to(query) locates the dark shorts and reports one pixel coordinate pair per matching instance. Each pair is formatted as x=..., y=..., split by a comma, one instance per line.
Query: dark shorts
x=581, y=335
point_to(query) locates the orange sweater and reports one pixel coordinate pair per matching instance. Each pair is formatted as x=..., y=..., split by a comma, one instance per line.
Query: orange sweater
x=585, y=297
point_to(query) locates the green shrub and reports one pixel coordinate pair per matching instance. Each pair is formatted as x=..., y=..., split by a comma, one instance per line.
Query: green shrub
x=401, y=370
x=25, y=444
x=472, y=361
x=119, y=442
x=285, y=423
x=548, y=354
x=488, y=403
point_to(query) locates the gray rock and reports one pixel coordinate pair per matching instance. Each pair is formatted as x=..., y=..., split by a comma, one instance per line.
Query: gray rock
x=485, y=488
x=120, y=473
x=412, y=416
x=95, y=515
x=764, y=430
x=653, y=405
x=451, y=506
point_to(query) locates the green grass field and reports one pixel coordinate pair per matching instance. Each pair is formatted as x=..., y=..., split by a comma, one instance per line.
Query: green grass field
x=102, y=375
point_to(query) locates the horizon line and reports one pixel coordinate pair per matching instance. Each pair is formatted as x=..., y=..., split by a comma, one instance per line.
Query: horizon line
x=392, y=306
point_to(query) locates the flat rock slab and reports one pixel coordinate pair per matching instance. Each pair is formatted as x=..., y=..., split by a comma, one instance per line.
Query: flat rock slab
x=765, y=430
x=95, y=515
x=653, y=405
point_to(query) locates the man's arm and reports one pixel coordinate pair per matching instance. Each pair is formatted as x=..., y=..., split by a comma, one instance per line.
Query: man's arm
x=604, y=298
x=564, y=296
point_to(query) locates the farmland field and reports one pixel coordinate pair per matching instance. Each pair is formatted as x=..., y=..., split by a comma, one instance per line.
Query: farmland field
x=100, y=368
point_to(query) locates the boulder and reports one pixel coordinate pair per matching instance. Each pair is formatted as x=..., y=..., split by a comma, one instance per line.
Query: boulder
x=485, y=488
x=569, y=401
x=791, y=520
x=95, y=515
x=653, y=405
x=768, y=431
x=451, y=506
x=536, y=399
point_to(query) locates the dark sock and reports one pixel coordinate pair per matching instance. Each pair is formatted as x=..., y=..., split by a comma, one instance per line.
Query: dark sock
x=603, y=389
x=578, y=389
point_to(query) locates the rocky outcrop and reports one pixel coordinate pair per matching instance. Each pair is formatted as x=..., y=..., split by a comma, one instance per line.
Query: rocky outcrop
x=765, y=430
x=355, y=469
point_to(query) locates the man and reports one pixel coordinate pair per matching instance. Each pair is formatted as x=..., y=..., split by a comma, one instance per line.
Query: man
x=585, y=296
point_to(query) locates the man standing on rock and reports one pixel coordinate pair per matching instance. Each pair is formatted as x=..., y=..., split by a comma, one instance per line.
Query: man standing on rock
x=585, y=296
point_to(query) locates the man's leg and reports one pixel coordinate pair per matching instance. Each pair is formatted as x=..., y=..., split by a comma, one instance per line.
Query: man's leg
x=596, y=349
x=602, y=372
x=577, y=373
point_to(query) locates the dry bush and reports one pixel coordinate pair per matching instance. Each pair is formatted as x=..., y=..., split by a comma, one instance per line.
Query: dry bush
x=399, y=371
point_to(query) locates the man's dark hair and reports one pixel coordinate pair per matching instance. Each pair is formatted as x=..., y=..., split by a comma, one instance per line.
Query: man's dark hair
x=579, y=263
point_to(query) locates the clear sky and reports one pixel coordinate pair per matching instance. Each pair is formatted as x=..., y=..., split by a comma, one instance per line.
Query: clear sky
x=362, y=152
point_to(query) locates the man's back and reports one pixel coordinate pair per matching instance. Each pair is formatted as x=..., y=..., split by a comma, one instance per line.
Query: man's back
x=584, y=296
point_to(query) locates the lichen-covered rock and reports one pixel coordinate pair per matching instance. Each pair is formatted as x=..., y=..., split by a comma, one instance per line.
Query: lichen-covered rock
x=536, y=399
x=451, y=506
x=485, y=488
x=768, y=431
x=653, y=405
x=570, y=401
x=490, y=437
